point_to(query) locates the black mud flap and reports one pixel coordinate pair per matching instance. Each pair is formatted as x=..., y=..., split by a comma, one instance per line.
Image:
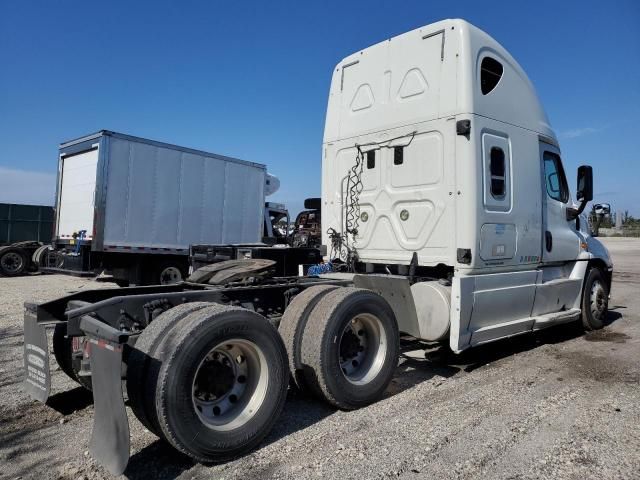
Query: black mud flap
x=37, y=381
x=110, y=436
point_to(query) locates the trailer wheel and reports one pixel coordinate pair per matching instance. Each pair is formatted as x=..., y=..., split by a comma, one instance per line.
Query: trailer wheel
x=63, y=353
x=292, y=326
x=144, y=362
x=13, y=262
x=223, y=385
x=166, y=272
x=350, y=347
x=595, y=300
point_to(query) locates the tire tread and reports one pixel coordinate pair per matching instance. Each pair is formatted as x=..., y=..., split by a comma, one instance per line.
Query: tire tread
x=198, y=323
x=292, y=326
x=140, y=384
x=587, y=322
x=315, y=337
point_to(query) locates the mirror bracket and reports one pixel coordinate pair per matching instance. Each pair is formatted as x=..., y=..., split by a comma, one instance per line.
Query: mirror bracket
x=573, y=213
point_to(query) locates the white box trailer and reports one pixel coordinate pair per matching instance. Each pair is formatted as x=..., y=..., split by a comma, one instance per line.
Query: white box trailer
x=133, y=206
x=445, y=210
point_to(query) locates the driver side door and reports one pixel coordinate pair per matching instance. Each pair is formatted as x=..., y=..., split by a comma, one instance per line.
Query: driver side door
x=560, y=242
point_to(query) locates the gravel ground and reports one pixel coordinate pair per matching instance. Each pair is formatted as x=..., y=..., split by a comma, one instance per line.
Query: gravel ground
x=557, y=404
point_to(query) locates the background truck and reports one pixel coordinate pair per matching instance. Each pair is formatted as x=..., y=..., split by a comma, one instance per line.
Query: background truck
x=599, y=212
x=24, y=229
x=447, y=209
x=298, y=244
x=133, y=206
x=307, y=229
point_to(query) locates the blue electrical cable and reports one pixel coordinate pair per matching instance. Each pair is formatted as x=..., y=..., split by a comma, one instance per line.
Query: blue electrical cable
x=317, y=270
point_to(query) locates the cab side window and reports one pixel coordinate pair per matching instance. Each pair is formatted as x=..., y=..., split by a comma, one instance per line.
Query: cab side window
x=497, y=167
x=490, y=74
x=497, y=172
x=555, y=179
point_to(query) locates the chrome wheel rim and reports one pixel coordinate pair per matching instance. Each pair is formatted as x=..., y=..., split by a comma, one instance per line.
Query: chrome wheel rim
x=230, y=384
x=598, y=300
x=12, y=262
x=362, y=348
x=170, y=275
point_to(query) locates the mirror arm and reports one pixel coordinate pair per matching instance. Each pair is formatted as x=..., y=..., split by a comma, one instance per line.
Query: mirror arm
x=583, y=204
x=573, y=213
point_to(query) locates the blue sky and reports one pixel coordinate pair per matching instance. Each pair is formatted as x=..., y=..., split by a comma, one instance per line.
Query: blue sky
x=250, y=79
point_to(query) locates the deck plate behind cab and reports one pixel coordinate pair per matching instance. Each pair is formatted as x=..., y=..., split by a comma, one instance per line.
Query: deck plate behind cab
x=232, y=270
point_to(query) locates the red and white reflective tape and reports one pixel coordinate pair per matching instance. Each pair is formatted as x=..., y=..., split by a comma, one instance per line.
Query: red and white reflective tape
x=104, y=344
x=153, y=249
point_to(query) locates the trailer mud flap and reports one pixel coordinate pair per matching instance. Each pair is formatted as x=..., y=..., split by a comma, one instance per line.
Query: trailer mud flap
x=110, y=436
x=37, y=381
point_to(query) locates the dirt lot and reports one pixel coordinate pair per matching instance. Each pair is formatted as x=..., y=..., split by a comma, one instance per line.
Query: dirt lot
x=557, y=404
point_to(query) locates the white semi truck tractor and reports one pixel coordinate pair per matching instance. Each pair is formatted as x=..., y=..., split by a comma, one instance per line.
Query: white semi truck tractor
x=448, y=218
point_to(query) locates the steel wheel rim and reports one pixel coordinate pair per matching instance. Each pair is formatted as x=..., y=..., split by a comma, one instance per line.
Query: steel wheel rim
x=230, y=384
x=170, y=275
x=12, y=262
x=362, y=348
x=598, y=300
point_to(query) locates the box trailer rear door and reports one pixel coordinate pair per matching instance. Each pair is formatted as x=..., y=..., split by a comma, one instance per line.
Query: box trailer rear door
x=77, y=193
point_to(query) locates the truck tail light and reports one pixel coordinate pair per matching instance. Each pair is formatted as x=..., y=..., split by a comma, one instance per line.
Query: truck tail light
x=76, y=344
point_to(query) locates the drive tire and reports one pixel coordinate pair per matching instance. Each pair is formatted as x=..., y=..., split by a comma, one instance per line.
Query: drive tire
x=595, y=300
x=62, y=351
x=145, y=359
x=208, y=330
x=292, y=327
x=330, y=330
x=13, y=262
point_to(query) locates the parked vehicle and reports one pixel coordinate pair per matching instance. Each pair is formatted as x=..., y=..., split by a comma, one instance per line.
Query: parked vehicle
x=20, y=258
x=133, y=206
x=307, y=231
x=598, y=213
x=445, y=200
x=293, y=249
x=24, y=231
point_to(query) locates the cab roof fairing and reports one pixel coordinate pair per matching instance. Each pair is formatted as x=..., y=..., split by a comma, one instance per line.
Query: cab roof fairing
x=513, y=101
